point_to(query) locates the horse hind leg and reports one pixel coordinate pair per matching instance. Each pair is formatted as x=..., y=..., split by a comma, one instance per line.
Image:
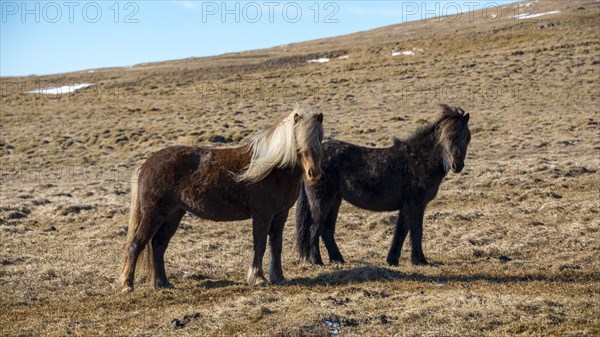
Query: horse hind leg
x=145, y=231
x=160, y=241
x=329, y=232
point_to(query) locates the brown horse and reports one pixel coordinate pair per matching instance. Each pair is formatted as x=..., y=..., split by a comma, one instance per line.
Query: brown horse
x=259, y=181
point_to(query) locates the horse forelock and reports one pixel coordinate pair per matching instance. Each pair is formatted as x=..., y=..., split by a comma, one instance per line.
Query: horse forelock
x=278, y=146
x=309, y=132
x=452, y=122
x=451, y=111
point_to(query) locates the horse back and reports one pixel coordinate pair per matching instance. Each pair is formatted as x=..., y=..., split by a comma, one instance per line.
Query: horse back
x=197, y=179
x=369, y=178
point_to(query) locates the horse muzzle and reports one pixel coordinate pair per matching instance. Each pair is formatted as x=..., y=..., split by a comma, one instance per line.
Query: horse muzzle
x=313, y=176
x=313, y=181
x=457, y=167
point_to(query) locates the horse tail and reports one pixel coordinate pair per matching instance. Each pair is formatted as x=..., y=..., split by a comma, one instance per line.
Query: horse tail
x=134, y=224
x=303, y=222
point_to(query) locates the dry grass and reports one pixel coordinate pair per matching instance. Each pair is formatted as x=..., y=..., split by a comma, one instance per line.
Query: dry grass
x=514, y=239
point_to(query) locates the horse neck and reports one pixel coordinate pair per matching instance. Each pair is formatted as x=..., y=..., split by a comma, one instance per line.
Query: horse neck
x=292, y=174
x=425, y=151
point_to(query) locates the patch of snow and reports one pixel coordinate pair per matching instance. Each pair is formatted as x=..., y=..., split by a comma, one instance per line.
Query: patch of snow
x=65, y=89
x=405, y=53
x=332, y=324
x=527, y=4
x=440, y=283
x=531, y=15
x=344, y=57
x=319, y=60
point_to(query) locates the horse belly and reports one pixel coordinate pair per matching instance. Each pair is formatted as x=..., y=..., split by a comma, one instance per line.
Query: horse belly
x=372, y=199
x=219, y=206
x=376, y=205
x=216, y=214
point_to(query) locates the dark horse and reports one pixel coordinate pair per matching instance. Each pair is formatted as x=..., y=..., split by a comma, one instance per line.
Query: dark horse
x=404, y=177
x=259, y=181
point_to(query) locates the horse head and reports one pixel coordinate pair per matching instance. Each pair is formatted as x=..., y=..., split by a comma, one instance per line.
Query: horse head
x=308, y=130
x=454, y=136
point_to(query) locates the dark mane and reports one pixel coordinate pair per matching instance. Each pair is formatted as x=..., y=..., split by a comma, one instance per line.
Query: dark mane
x=452, y=111
x=452, y=121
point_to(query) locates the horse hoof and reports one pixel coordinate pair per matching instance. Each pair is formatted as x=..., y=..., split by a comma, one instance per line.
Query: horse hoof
x=261, y=282
x=421, y=262
x=257, y=281
x=316, y=262
x=161, y=285
x=127, y=289
x=393, y=262
x=278, y=281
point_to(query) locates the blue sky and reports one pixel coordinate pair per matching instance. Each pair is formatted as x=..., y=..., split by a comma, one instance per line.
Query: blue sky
x=46, y=37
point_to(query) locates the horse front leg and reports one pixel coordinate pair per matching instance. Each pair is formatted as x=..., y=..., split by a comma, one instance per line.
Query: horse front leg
x=314, y=253
x=400, y=233
x=319, y=208
x=328, y=234
x=415, y=220
x=276, y=243
x=260, y=229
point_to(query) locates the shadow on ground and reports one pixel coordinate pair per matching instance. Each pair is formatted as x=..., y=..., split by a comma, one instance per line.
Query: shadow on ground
x=373, y=273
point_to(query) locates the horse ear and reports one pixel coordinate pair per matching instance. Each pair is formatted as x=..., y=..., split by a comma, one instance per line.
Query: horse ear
x=296, y=118
x=467, y=118
x=319, y=117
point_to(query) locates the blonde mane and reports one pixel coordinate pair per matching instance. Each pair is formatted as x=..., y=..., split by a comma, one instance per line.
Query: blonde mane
x=278, y=146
